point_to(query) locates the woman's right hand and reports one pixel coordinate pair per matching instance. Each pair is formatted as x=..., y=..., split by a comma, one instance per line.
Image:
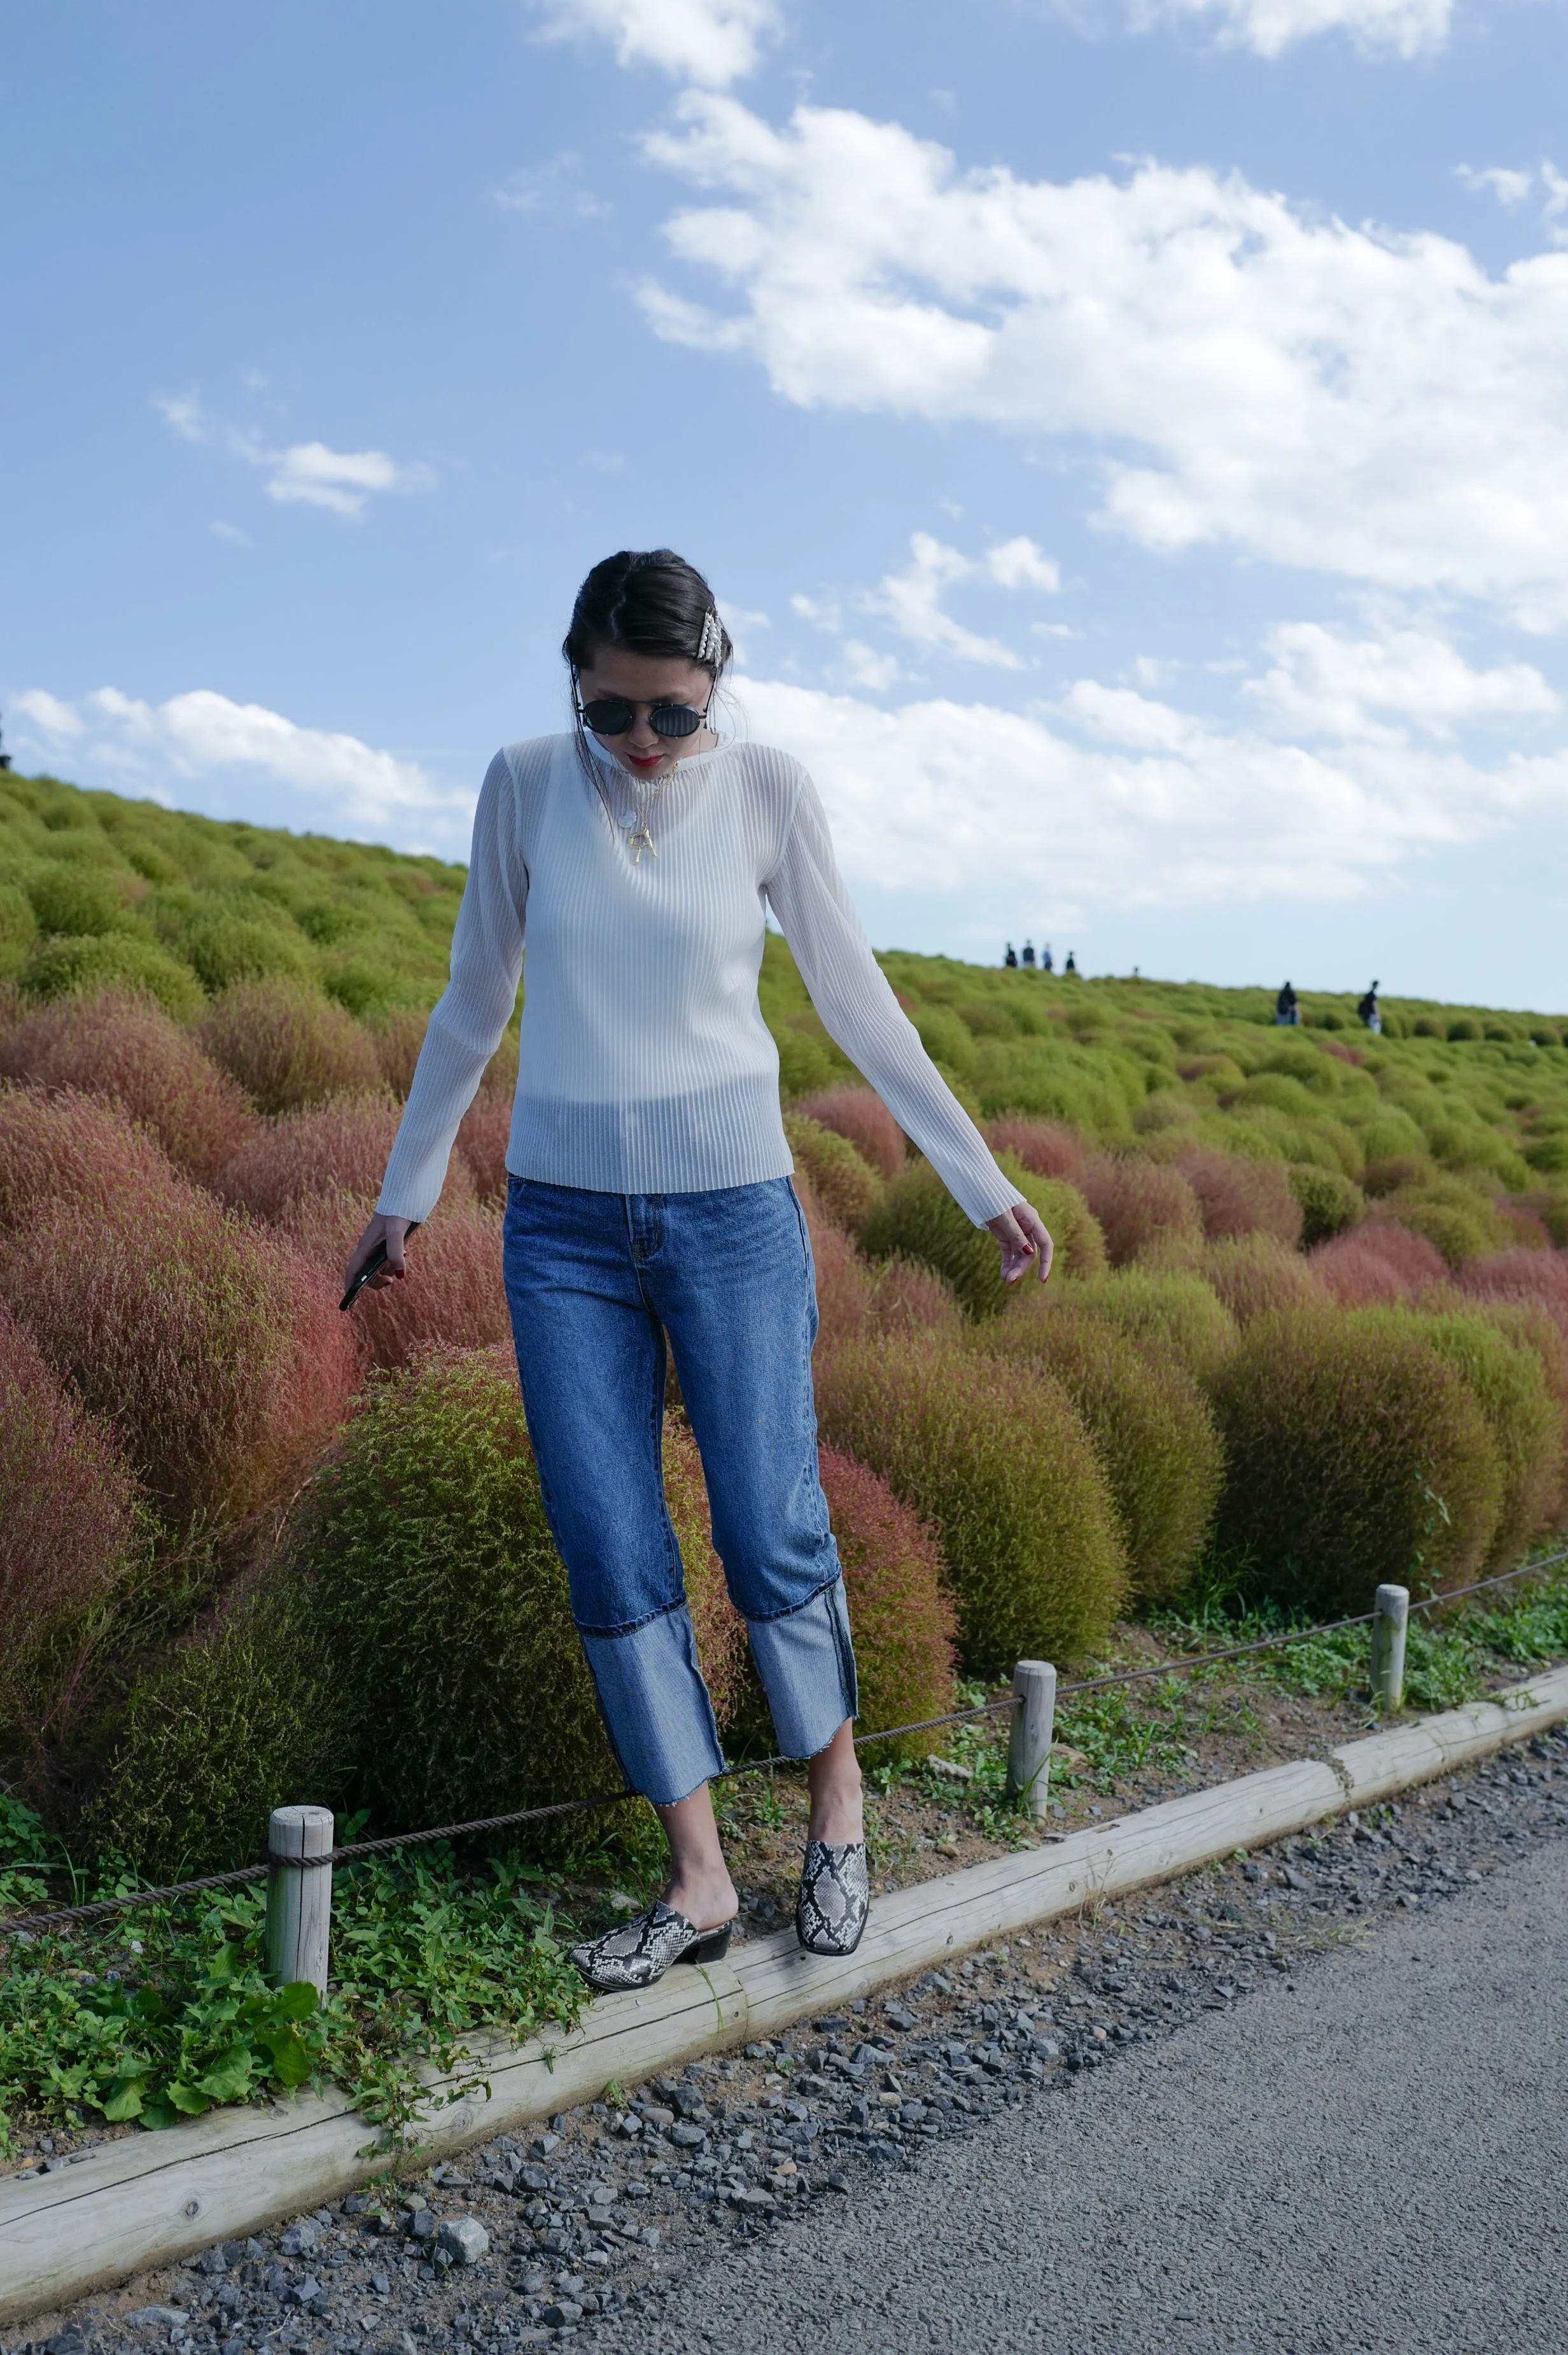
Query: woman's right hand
x=380, y=1229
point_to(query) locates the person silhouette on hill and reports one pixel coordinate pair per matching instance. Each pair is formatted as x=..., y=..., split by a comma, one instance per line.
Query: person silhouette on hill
x=1029, y=955
x=1287, y=1010
x=1369, y=1010
x=1047, y=962
x=1010, y=960
x=1071, y=964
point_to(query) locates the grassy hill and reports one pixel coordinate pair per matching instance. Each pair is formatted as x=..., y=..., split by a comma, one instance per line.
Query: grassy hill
x=99, y=890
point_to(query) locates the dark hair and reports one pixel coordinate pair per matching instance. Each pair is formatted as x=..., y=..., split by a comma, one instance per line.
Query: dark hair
x=651, y=601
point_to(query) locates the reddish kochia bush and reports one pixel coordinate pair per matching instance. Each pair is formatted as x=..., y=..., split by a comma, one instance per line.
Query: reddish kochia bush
x=337, y=1149
x=907, y=1297
x=860, y=1114
x=1043, y=1146
x=452, y=1298
x=721, y=1631
x=1257, y=1275
x=903, y=1619
x=1355, y=1456
x=289, y=1046
x=68, y=1509
x=1138, y=1202
x=397, y=1042
x=66, y=1148
x=127, y=1052
x=1377, y=1264
x=482, y=1140
x=1237, y=1195
x=1530, y=1279
x=209, y=1344
x=843, y=1279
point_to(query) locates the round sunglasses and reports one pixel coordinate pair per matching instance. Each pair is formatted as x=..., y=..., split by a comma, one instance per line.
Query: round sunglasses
x=611, y=715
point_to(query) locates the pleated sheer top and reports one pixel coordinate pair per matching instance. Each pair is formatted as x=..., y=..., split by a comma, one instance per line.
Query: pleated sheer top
x=645, y=1064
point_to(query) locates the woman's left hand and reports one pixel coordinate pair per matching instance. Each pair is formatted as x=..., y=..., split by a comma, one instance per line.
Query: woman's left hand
x=1023, y=1235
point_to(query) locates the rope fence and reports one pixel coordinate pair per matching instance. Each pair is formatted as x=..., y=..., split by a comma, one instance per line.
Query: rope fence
x=1032, y=1705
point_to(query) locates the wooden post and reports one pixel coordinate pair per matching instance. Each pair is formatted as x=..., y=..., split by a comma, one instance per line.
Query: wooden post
x=299, y=1896
x=1034, y=1721
x=1392, y=1608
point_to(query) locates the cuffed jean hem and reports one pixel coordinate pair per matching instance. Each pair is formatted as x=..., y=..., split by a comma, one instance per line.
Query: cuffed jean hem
x=806, y=1663
x=655, y=1706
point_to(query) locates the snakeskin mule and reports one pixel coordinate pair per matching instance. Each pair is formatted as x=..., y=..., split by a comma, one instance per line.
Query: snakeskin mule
x=639, y=1951
x=835, y=1898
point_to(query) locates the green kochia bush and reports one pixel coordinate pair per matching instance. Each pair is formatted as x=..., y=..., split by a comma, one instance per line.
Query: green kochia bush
x=918, y=1217
x=1508, y=1382
x=995, y=1458
x=1175, y=1315
x=1152, y=1429
x=411, y=1648
x=1354, y=1455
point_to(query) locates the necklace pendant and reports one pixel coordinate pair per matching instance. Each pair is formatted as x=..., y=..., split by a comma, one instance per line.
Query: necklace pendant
x=638, y=842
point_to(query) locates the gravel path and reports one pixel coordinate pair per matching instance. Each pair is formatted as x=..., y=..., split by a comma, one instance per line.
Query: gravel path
x=1314, y=2099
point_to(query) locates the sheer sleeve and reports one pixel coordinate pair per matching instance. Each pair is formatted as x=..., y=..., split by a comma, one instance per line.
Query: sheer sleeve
x=851, y=993
x=474, y=1011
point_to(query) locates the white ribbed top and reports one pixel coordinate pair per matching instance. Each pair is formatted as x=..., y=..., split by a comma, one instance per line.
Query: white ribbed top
x=645, y=1066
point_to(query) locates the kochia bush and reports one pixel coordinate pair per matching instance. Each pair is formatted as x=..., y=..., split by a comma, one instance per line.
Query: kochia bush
x=1177, y=1316
x=860, y=1114
x=288, y=1047
x=1239, y=1195
x=901, y=1613
x=995, y=1458
x=918, y=1218
x=411, y=1649
x=1257, y=1275
x=1379, y=1262
x=841, y=1177
x=1152, y=1429
x=209, y=1344
x=71, y=1149
x=1354, y=1456
x=1138, y=1201
x=127, y=1052
x=68, y=1508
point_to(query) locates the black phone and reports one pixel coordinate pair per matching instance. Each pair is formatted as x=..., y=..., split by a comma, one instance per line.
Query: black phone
x=376, y=1259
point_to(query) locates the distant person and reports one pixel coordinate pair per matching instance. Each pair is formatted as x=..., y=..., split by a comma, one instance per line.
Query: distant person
x=1286, y=1008
x=1047, y=962
x=5, y=756
x=1371, y=1012
x=648, y=1196
x=1029, y=955
x=1071, y=964
x=1012, y=959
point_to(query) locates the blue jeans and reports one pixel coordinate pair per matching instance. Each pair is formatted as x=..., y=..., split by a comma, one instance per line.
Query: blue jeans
x=594, y=1283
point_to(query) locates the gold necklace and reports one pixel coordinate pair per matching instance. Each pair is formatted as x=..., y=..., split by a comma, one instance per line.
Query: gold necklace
x=638, y=838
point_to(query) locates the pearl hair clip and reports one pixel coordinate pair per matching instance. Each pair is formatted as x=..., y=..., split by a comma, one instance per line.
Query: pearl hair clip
x=708, y=646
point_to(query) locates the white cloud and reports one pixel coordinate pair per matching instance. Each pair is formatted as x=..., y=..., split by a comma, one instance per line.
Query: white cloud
x=310, y=475
x=1159, y=809
x=203, y=735
x=1018, y=564
x=1269, y=27
x=710, y=42
x=1510, y=189
x=1379, y=687
x=912, y=601
x=54, y=719
x=1515, y=189
x=1346, y=399
x=307, y=473
x=556, y=190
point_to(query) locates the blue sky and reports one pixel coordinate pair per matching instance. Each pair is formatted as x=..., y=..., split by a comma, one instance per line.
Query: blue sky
x=1127, y=437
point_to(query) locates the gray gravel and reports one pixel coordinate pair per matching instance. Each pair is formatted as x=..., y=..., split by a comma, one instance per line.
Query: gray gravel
x=1311, y=2100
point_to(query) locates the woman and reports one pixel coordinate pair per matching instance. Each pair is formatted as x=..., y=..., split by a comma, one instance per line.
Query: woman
x=649, y=1195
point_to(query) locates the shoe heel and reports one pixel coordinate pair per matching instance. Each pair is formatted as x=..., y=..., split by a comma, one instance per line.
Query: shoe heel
x=711, y=1949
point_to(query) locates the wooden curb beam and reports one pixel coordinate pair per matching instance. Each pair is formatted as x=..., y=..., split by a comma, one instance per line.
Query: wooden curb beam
x=150, y=2200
